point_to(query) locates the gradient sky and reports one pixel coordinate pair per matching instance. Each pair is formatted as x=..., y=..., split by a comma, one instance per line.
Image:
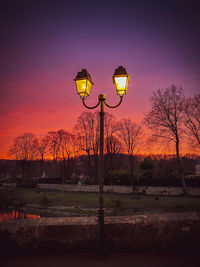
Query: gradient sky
x=45, y=43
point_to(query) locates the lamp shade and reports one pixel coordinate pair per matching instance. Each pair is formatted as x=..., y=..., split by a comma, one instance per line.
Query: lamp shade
x=121, y=80
x=83, y=83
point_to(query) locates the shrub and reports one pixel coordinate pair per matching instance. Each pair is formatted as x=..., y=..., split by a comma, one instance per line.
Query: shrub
x=146, y=164
x=118, y=177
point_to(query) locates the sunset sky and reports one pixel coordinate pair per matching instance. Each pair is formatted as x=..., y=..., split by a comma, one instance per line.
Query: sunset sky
x=45, y=43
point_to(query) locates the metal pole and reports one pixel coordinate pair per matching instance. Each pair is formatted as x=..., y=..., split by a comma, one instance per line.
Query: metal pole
x=100, y=227
x=100, y=236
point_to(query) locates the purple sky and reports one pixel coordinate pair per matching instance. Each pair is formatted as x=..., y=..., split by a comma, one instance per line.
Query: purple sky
x=45, y=43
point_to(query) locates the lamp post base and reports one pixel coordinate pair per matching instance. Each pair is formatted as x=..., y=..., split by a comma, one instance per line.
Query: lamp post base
x=100, y=234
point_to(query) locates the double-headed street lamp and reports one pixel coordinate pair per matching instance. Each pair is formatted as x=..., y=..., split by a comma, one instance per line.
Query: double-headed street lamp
x=84, y=84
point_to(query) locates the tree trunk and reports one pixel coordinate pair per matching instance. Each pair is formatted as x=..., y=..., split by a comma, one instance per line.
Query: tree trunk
x=89, y=165
x=131, y=161
x=70, y=167
x=23, y=168
x=96, y=162
x=42, y=165
x=64, y=170
x=55, y=170
x=180, y=168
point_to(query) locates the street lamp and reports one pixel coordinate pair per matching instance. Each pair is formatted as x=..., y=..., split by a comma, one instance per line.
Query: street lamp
x=84, y=84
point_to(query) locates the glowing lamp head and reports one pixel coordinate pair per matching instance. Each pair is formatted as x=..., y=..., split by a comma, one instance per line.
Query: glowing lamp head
x=83, y=83
x=121, y=80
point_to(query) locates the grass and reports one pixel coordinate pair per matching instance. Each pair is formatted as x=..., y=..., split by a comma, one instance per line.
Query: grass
x=82, y=203
x=57, y=198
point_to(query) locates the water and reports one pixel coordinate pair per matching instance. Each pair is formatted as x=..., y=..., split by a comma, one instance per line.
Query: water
x=16, y=215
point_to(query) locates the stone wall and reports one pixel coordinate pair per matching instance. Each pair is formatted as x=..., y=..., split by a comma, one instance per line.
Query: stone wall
x=160, y=190
x=149, y=232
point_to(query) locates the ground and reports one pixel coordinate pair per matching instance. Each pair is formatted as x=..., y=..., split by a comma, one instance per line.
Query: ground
x=56, y=203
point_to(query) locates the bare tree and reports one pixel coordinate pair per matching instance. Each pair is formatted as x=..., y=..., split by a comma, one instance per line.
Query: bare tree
x=53, y=151
x=63, y=147
x=25, y=149
x=131, y=135
x=192, y=120
x=68, y=152
x=113, y=149
x=165, y=119
x=53, y=144
x=87, y=128
x=112, y=143
x=43, y=142
x=110, y=128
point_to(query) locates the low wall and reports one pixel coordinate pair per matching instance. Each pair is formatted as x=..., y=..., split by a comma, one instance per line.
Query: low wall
x=160, y=190
x=149, y=232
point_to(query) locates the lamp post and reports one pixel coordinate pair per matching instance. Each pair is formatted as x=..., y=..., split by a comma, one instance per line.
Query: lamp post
x=84, y=84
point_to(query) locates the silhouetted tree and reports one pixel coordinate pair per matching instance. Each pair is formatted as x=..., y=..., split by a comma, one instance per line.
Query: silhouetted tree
x=53, y=144
x=192, y=120
x=54, y=150
x=165, y=119
x=25, y=149
x=131, y=135
x=43, y=142
x=63, y=148
x=87, y=128
x=112, y=143
x=68, y=150
x=113, y=149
